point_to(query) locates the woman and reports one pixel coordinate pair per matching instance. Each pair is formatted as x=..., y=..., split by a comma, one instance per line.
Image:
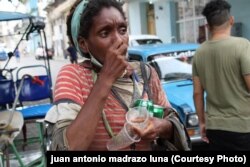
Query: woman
x=102, y=88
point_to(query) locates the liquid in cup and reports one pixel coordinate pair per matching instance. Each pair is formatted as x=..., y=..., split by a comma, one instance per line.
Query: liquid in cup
x=138, y=117
x=123, y=139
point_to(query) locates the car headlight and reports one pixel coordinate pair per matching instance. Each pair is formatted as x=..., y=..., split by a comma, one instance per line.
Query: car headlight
x=192, y=120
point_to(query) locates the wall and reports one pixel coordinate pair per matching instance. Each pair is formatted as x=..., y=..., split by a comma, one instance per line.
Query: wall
x=143, y=18
x=173, y=18
x=134, y=17
x=241, y=13
x=138, y=18
x=57, y=17
x=162, y=20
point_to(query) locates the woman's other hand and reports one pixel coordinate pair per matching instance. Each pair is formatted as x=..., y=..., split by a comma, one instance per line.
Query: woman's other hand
x=155, y=128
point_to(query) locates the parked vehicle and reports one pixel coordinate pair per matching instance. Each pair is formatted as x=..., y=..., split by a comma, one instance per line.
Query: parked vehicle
x=172, y=62
x=41, y=54
x=143, y=39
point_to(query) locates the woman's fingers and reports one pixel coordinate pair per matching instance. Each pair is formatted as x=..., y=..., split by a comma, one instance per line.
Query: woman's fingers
x=115, y=61
x=148, y=133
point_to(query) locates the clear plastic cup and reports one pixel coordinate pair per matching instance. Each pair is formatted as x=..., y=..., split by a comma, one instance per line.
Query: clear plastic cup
x=138, y=117
x=123, y=139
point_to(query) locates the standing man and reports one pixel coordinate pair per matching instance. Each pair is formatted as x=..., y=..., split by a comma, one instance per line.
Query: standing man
x=72, y=53
x=221, y=68
x=17, y=55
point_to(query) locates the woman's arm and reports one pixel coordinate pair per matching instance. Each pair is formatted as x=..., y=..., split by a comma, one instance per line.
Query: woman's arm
x=82, y=130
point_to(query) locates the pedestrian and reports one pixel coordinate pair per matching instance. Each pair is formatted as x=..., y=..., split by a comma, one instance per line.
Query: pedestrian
x=17, y=55
x=3, y=53
x=72, y=53
x=103, y=87
x=221, y=70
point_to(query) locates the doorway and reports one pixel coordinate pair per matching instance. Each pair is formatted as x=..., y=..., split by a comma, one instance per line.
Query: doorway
x=151, y=19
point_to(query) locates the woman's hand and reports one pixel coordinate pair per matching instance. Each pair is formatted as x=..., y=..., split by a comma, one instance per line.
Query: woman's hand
x=155, y=128
x=115, y=61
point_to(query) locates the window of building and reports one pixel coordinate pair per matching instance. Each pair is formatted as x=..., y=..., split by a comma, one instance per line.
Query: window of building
x=190, y=22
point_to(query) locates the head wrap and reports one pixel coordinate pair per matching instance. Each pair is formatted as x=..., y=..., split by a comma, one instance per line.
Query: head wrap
x=75, y=26
x=75, y=23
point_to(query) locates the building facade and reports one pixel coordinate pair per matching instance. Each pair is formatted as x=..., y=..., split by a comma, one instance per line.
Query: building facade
x=57, y=11
x=171, y=20
x=11, y=31
x=181, y=20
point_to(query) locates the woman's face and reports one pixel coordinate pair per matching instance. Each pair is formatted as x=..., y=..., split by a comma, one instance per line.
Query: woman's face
x=108, y=27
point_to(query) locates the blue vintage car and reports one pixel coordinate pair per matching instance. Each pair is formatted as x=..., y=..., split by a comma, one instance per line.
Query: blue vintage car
x=173, y=62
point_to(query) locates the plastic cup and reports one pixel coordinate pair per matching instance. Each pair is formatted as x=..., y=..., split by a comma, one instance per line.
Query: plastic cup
x=138, y=117
x=123, y=139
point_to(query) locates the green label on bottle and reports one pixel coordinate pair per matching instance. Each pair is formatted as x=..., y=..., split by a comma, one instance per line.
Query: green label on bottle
x=158, y=111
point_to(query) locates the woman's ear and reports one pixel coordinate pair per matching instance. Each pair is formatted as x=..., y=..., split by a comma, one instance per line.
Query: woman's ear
x=83, y=45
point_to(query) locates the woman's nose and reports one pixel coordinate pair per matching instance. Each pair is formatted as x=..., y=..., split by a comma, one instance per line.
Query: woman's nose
x=118, y=37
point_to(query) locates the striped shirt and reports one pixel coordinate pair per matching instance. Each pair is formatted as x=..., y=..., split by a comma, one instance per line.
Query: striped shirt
x=74, y=83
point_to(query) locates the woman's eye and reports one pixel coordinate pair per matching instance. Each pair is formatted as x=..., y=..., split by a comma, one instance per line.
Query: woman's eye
x=104, y=34
x=123, y=30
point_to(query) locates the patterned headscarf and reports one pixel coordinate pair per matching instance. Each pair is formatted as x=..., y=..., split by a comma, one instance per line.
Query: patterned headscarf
x=75, y=27
x=75, y=23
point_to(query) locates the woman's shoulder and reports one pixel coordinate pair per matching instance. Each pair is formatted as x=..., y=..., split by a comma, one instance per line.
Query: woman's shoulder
x=78, y=66
x=78, y=69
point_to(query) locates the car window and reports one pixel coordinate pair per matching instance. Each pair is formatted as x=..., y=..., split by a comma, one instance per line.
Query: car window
x=170, y=69
x=135, y=40
x=134, y=57
x=170, y=66
x=184, y=56
x=148, y=41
